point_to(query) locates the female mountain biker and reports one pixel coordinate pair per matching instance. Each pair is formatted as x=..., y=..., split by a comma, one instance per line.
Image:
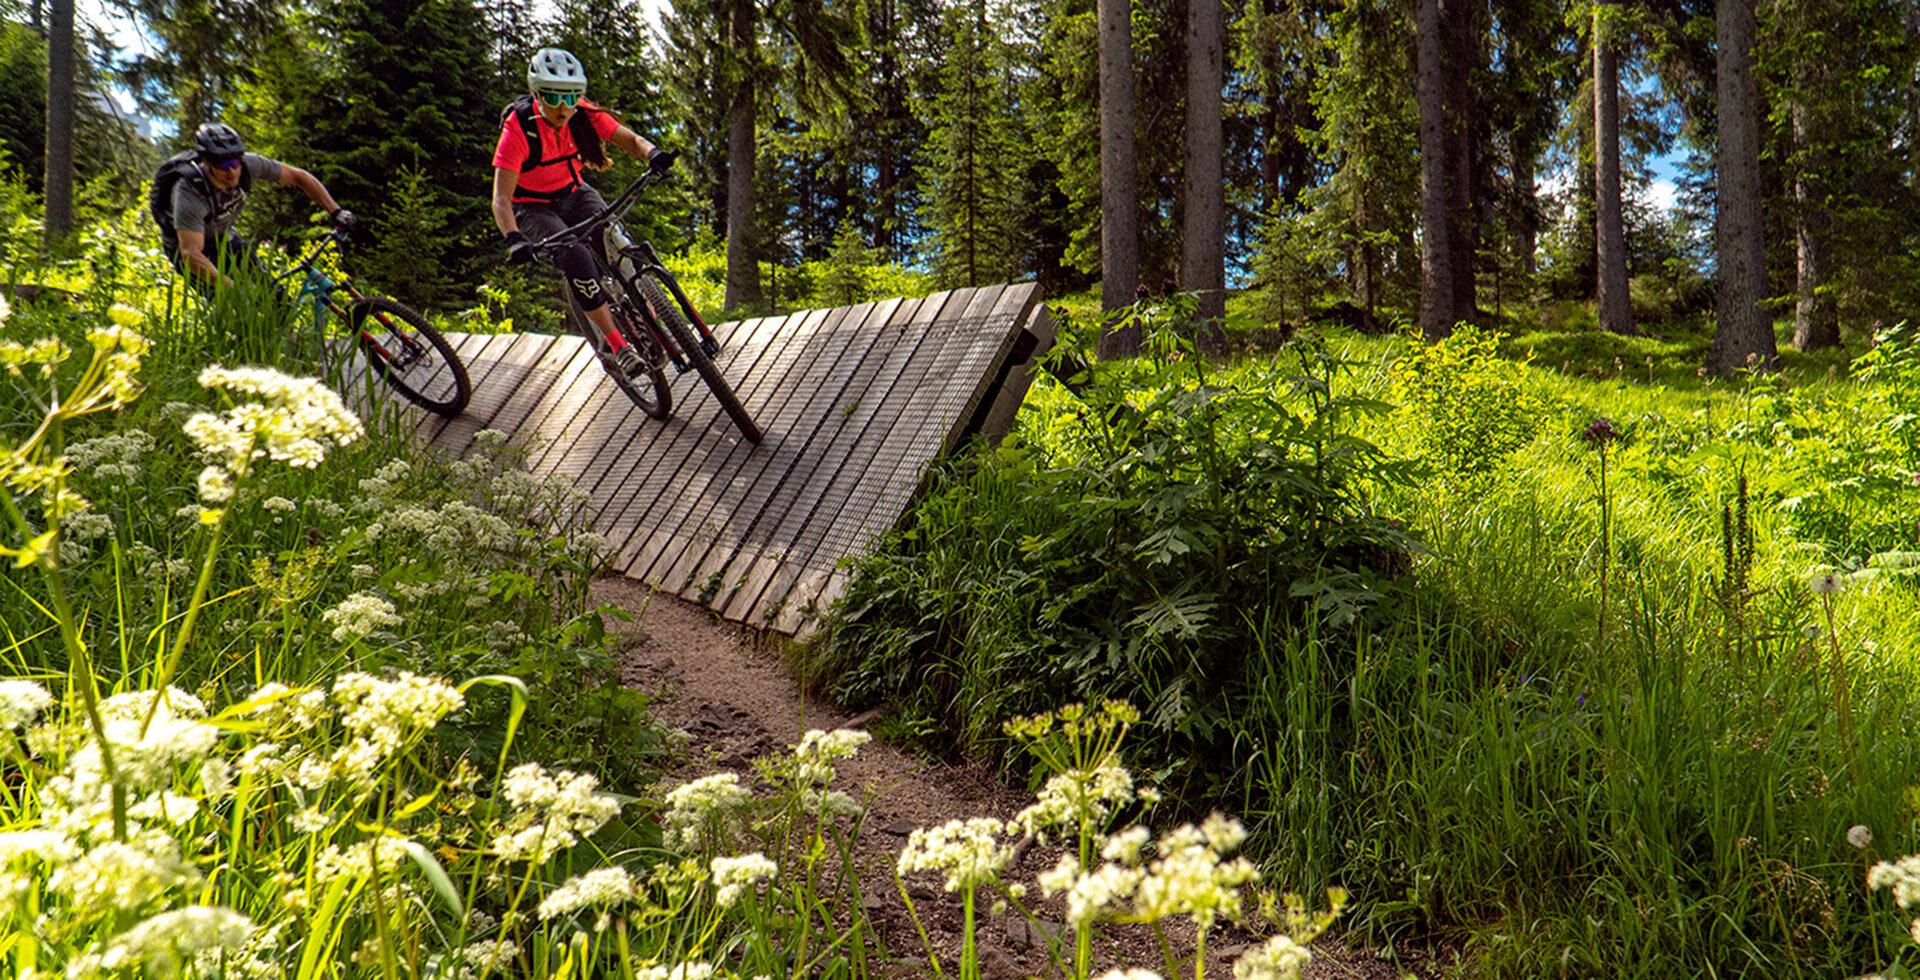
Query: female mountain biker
x=545, y=138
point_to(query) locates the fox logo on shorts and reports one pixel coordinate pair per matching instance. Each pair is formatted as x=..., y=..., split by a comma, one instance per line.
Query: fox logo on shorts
x=588, y=288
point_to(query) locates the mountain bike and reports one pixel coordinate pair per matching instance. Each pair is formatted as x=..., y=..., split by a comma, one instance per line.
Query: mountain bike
x=649, y=309
x=400, y=345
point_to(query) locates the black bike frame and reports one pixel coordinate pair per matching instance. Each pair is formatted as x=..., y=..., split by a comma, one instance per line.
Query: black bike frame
x=581, y=232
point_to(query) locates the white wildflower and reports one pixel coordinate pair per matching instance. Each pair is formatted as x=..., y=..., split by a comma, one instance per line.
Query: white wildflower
x=21, y=701
x=280, y=504
x=968, y=850
x=124, y=875
x=1076, y=795
x=681, y=971
x=815, y=755
x=165, y=940
x=693, y=805
x=1824, y=582
x=1189, y=876
x=358, y=615
x=551, y=813
x=1280, y=958
x=734, y=875
x=601, y=888
x=1859, y=835
x=310, y=820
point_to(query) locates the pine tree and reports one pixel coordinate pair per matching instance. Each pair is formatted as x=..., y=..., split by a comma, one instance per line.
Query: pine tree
x=967, y=175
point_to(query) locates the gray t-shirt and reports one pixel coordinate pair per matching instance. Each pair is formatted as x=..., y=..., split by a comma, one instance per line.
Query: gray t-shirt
x=192, y=211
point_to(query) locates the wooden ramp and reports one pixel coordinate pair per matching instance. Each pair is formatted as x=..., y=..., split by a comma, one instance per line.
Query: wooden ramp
x=855, y=403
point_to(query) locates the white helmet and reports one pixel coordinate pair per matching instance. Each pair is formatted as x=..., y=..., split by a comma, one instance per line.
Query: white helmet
x=556, y=70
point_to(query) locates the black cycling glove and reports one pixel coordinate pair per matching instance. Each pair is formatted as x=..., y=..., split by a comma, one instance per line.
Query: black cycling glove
x=344, y=220
x=661, y=160
x=518, y=251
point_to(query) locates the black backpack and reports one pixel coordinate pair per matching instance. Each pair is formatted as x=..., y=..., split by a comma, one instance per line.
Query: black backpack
x=581, y=126
x=183, y=166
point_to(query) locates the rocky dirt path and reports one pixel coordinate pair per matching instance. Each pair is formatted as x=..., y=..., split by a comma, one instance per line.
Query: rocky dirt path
x=727, y=687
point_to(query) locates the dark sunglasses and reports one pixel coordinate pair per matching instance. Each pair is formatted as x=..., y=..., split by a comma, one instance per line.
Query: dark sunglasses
x=225, y=163
x=560, y=98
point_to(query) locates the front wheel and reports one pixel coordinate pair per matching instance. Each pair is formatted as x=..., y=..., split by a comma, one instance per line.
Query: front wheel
x=411, y=356
x=648, y=391
x=667, y=311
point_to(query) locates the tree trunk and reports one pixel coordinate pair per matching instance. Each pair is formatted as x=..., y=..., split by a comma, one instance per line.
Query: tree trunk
x=1461, y=22
x=1526, y=228
x=1816, y=321
x=1271, y=119
x=1610, y=233
x=1204, y=238
x=1119, y=217
x=743, y=253
x=59, y=173
x=1436, y=275
x=1744, y=334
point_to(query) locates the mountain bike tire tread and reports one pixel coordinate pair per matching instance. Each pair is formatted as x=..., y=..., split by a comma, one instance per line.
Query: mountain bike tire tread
x=423, y=331
x=667, y=311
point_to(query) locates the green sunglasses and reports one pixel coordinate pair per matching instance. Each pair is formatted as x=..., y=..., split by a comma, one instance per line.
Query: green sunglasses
x=560, y=98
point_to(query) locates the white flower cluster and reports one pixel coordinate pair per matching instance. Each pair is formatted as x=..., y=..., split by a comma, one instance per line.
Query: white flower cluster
x=1280, y=958
x=679, y=971
x=21, y=702
x=112, y=457
x=1076, y=794
x=386, y=713
x=359, y=615
x=1189, y=876
x=286, y=709
x=814, y=756
x=550, y=812
x=299, y=419
x=362, y=858
x=473, y=961
x=694, y=805
x=602, y=888
x=967, y=850
x=732, y=876
x=163, y=941
x=454, y=529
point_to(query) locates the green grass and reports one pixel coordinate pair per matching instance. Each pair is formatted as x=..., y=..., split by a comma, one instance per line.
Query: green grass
x=1635, y=778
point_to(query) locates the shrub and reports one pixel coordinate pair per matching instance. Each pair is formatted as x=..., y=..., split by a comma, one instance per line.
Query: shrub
x=1469, y=407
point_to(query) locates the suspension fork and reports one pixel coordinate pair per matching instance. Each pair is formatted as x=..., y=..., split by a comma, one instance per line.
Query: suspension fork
x=707, y=341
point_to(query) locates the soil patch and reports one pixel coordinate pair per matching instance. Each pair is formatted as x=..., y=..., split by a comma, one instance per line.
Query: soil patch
x=726, y=686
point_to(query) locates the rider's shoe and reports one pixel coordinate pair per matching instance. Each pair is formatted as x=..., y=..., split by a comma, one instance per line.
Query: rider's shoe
x=630, y=361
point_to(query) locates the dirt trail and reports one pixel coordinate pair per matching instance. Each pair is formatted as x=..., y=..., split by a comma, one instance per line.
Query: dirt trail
x=728, y=688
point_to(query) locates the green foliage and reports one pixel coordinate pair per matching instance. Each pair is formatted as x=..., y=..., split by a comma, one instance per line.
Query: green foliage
x=1128, y=550
x=1468, y=407
x=407, y=263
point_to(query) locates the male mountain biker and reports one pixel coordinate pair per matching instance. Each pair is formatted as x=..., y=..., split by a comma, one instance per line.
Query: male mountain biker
x=197, y=197
x=545, y=138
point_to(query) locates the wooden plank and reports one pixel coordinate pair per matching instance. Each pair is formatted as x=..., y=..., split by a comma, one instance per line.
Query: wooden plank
x=880, y=497
x=998, y=418
x=560, y=404
x=510, y=374
x=516, y=417
x=479, y=366
x=845, y=461
x=574, y=410
x=1014, y=305
x=671, y=521
x=831, y=416
x=639, y=498
x=819, y=375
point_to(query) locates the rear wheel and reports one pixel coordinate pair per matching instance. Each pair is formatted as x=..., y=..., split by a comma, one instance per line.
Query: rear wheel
x=411, y=356
x=672, y=317
x=648, y=391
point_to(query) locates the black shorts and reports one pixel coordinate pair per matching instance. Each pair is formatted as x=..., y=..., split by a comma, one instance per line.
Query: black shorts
x=539, y=220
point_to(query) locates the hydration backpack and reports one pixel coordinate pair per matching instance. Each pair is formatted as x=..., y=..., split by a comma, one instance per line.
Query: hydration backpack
x=184, y=166
x=584, y=136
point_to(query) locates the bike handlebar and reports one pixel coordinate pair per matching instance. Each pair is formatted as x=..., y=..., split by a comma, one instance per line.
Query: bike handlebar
x=334, y=236
x=571, y=235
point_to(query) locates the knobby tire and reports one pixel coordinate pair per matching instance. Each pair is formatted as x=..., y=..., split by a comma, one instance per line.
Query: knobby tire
x=437, y=381
x=666, y=310
x=649, y=393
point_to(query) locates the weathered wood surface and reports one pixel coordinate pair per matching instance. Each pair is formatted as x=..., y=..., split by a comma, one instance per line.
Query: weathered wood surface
x=855, y=403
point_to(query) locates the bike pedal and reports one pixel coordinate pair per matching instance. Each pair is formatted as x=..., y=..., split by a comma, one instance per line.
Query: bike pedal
x=711, y=345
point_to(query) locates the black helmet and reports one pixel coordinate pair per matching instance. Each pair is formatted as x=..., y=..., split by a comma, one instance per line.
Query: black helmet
x=215, y=141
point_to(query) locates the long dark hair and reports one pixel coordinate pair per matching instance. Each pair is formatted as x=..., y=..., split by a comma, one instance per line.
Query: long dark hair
x=586, y=139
